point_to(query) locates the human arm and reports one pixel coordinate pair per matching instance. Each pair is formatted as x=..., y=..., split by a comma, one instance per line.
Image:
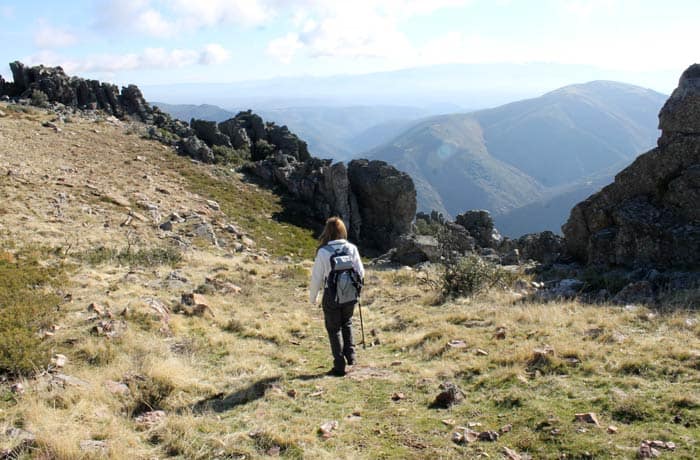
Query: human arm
x=317, y=276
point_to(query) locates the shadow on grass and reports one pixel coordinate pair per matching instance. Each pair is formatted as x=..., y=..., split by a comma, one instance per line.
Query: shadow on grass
x=221, y=403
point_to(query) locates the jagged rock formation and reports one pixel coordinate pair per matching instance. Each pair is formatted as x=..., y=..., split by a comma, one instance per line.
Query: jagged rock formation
x=649, y=216
x=479, y=224
x=78, y=92
x=376, y=201
x=387, y=201
x=247, y=132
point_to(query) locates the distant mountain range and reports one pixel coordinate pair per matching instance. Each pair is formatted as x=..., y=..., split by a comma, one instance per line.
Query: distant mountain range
x=528, y=162
x=445, y=88
x=547, y=152
x=333, y=132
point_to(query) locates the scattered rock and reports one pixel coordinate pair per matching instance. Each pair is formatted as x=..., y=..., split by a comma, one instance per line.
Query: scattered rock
x=92, y=445
x=646, y=451
x=450, y=395
x=213, y=205
x=588, y=417
x=67, y=380
x=500, y=333
x=398, y=396
x=166, y=226
x=456, y=343
x=27, y=441
x=59, y=360
x=117, y=388
x=511, y=454
x=490, y=436
x=148, y=420
x=98, y=309
x=481, y=352
x=506, y=428
x=464, y=435
x=198, y=304
x=292, y=393
x=636, y=292
x=326, y=429
x=17, y=388
x=612, y=429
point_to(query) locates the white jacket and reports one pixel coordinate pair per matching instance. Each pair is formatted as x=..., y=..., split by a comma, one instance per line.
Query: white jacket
x=322, y=266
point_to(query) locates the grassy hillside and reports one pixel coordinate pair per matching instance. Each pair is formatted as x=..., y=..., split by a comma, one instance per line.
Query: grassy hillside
x=505, y=158
x=245, y=378
x=449, y=155
x=574, y=131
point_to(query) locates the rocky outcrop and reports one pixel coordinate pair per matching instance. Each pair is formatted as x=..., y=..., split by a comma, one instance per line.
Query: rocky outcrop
x=322, y=187
x=248, y=132
x=479, y=224
x=78, y=92
x=209, y=132
x=376, y=201
x=649, y=216
x=544, y=247
x=387, y=201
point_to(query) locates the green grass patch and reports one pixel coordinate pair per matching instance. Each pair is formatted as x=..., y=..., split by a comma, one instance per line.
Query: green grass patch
x=258, y=211
x=144, y=257
x=27, y=305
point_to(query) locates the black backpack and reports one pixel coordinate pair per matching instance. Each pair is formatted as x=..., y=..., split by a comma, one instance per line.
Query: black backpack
x=343, y=284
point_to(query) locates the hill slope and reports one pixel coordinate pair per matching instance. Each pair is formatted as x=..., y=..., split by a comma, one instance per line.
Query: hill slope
x=504, y=158
x=139, y=374
x=448, y=159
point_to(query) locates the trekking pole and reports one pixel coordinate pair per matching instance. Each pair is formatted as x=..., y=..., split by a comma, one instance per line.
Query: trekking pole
x=362, y=326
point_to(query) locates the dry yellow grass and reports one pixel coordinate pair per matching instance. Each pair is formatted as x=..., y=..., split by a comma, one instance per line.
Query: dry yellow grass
x=248, y=381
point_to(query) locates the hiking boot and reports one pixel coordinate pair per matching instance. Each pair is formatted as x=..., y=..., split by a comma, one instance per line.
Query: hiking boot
x=336, y=372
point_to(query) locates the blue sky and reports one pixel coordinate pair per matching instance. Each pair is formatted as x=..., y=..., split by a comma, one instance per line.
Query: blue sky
x=158, y=41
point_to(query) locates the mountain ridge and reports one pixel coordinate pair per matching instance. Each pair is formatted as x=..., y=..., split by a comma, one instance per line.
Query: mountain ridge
x=528, y=149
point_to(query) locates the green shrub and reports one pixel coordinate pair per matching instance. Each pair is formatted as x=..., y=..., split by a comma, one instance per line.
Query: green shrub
x=39, y=98
x=230, y=156
x=471, y=275
x=26, y=307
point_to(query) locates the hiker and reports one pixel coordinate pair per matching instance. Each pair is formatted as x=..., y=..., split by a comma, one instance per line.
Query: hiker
x=337, y=260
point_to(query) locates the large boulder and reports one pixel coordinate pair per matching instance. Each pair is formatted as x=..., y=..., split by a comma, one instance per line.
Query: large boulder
x=194, y=147
x=649, y=217
x=209, y=132
x=387, y=201
x=479, y=224
x=414, y=249
x=545, y=247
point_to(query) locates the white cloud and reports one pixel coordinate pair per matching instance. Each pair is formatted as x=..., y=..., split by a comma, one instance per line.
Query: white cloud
x=148, y=59
x=358, y=29
x=284, y=48
x=160, y=18
x=49, y=37
x=213, y=54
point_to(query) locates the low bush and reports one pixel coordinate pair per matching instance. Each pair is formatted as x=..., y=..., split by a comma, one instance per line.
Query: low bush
x=230, y=156
x=470, y=275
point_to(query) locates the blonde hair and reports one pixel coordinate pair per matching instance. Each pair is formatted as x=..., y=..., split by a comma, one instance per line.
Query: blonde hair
x=334, y=230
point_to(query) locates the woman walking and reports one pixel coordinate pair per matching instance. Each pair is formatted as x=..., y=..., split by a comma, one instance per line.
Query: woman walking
x=337, y=260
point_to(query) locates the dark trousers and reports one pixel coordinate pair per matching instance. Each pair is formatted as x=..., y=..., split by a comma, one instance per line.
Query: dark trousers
x=339, y=326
